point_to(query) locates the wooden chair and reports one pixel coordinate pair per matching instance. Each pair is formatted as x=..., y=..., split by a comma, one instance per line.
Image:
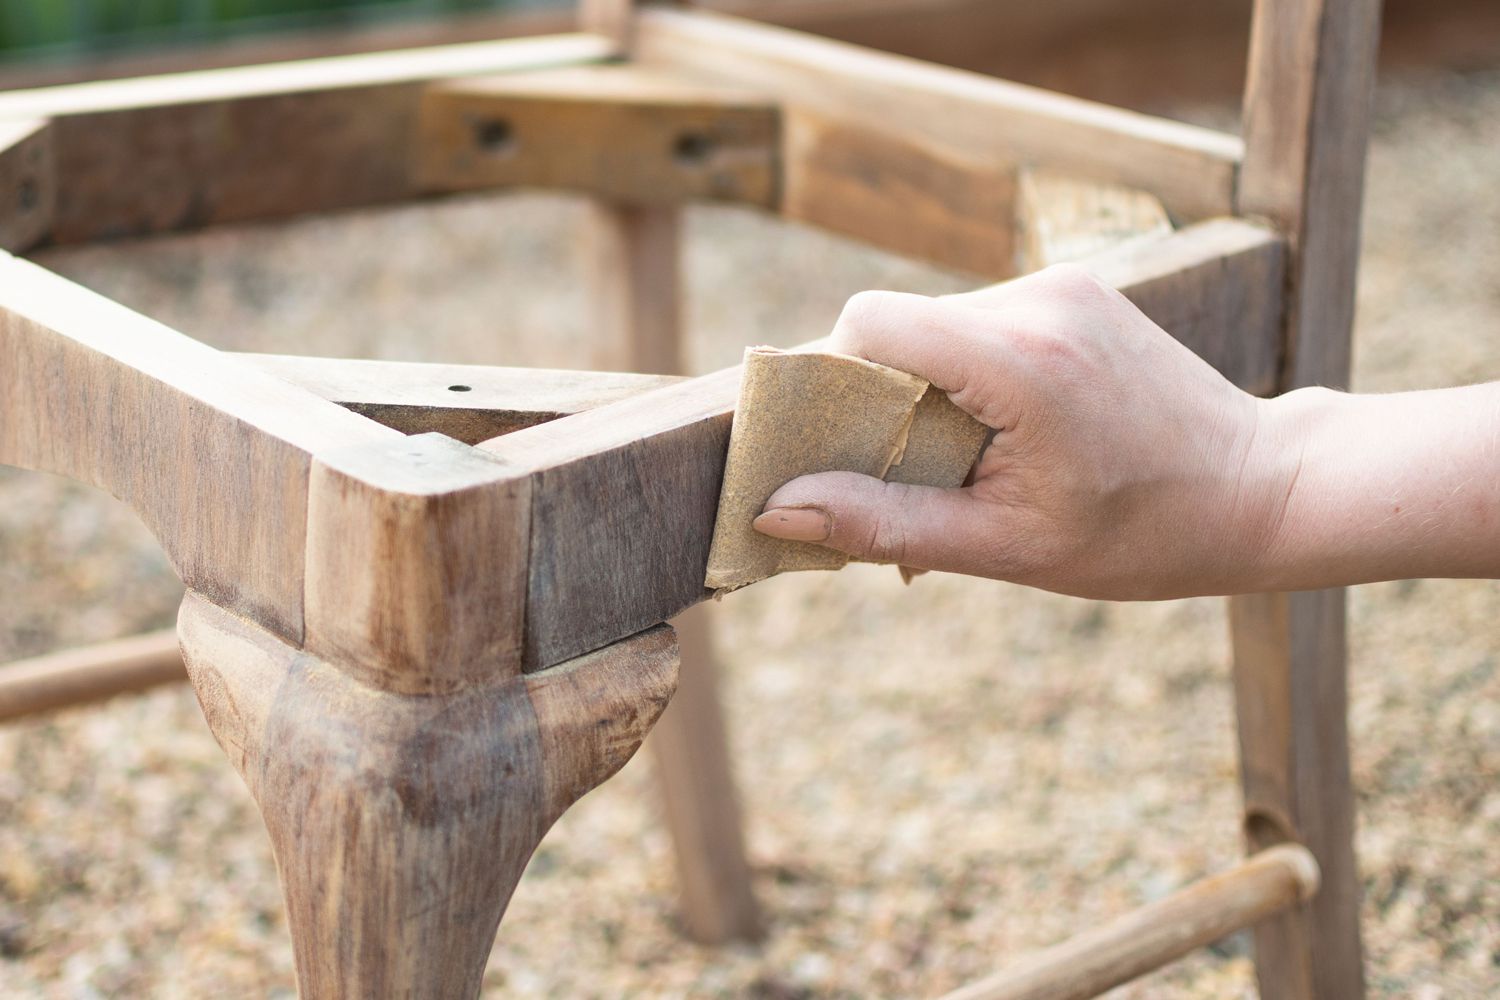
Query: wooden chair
x=423, y=622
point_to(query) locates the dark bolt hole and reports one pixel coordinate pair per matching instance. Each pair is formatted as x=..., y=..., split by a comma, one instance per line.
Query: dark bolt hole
x=460, y=388
x=494, y=135
x=692, y=147
x=28, y=195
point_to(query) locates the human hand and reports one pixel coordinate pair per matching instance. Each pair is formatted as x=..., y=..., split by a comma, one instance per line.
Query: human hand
x=1122, y=465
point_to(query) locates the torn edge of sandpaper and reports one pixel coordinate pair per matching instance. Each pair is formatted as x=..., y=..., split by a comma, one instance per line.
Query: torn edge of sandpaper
x=805, y=412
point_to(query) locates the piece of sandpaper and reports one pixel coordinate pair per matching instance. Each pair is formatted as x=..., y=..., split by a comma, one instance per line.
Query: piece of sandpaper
x=805, y=412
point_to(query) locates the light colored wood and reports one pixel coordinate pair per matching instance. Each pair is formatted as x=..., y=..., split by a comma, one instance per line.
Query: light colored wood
x=1307, y=107
x=401, y=823
x=1158, y=933
x=469, y=403
x=136, y=157
x=900, y=193
x=1192, y=170
x=658, y=457
x=28, y=191
x=213, y=455
x=92, y=673
x=416, y=564
x=1062, y=218
x=618, y=132
x=636, y=302
x=690, y=749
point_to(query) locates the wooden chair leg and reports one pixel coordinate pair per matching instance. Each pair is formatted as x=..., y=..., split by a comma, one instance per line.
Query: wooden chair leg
x=691, y=752
x=400, y=822
x=636, y=303
x=1290, y=685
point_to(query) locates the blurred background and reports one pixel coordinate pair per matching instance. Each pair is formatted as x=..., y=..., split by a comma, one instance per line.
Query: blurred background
x=935, y=778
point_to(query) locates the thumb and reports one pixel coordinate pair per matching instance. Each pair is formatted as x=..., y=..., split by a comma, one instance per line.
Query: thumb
x=920, y=526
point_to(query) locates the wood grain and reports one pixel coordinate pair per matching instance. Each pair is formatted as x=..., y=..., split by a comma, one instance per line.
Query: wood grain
x=1192, y=170
x=1129, y=946
x=623, y=496
x=1307, y=108
x=213, y=455
x=1062, y=218
x=900, y=193
x=28, y=182
x=620, y=132
x=401, y=823
x=144, y=156
x=469, y=403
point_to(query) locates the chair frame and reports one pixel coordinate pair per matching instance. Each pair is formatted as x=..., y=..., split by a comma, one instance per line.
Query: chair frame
x=420, y=639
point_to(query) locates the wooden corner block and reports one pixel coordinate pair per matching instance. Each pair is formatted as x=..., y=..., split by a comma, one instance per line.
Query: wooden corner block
x=416, y=564
x=621, y=133
x=1064, y=218
x=899, y=193
x=28, y=183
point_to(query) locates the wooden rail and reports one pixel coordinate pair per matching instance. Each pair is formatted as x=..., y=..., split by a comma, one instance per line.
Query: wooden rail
x=1276, y=879
x=91, y=673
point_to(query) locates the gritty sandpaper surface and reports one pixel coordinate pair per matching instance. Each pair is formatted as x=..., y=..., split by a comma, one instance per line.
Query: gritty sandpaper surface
x=803, y=412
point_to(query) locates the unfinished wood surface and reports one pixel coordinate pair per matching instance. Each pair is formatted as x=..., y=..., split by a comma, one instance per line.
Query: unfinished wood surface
x=1269, y=882
x=1062, y=218
x=628, y=491
x=619, y=132
x=636, y=307
x=470, y=403
x=213, y=455
x=88, y=674
x=1190, y=169
x=901, y=193
x=142, y=156
x=1307, y=107
x=416, y=564
x=401, y=823
x=27, y=183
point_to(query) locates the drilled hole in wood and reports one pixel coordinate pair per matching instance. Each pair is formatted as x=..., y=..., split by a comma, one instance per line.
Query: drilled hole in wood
x=494, y=135
x=460, y=388
x=28, y=195
x=692, y=148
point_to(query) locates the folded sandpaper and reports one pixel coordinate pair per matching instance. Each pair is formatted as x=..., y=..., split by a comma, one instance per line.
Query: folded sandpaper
x=805, y=412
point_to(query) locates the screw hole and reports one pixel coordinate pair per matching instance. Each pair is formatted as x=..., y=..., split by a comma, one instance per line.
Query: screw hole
x=692, y=148
x=28, y=195
x=460, y=388
x=494, y=135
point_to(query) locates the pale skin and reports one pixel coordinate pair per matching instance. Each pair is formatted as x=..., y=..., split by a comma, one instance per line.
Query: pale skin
x=1123, y=467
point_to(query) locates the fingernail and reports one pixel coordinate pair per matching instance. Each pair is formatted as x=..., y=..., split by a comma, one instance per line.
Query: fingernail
x=795, y=524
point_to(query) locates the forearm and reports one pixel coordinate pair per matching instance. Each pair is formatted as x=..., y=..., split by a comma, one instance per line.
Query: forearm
x=1383, y=487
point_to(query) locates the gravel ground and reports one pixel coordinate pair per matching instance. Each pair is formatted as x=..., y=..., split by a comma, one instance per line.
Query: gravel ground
x=937, y=777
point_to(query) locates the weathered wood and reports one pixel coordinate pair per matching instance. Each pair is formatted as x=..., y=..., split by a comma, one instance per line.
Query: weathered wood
x=213, y=455
x=1062, y=218
x=636, y=300
x=619, y=132
x=178, y=152
x=1129, y=946
x=901, y=193
x=628, y=491
x=469, y=403
x=1307, y=107
x=401, y=823
x=28, y=189
x=1192, y=170
x=88, y=674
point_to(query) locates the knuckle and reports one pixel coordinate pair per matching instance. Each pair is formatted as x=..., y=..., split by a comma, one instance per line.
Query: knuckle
x=863, y=311
x=887, y=539
x=1072, y=282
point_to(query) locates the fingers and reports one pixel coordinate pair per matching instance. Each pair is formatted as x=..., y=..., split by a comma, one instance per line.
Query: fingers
x=946, y=344
x=917, y=526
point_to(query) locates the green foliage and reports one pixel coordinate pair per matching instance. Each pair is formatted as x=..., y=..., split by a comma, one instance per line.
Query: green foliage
x=100, y=24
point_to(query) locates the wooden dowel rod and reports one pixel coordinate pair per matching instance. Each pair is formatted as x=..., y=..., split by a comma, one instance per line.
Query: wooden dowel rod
x=91, y=673
x=1158, y=933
